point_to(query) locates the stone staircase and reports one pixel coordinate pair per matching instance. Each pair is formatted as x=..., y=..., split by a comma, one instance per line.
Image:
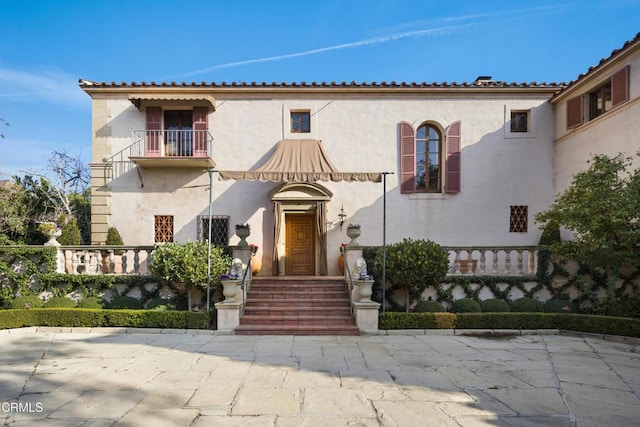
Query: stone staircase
x=297, y=306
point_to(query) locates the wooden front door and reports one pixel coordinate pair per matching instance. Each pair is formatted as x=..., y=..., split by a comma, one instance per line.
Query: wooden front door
x=300, y=256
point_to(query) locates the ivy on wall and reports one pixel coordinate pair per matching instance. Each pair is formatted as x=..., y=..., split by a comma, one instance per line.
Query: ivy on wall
x=590, y=291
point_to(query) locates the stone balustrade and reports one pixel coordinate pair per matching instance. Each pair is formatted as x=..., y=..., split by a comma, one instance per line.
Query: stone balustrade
x=104, y=259
x=493, y=260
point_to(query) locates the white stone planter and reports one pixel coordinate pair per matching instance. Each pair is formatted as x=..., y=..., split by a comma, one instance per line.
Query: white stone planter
x=230, y=290
x=365, y=290
x=53, y=235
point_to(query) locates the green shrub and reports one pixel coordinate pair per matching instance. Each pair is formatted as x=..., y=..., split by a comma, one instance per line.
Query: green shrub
x=413, y=265
x=125, y=302
x=395, y=320
x=527, y=305
x=571, y=322
x=157, y=319
x=494, y=305
x=70, y=233
x=429, y=307
x=559, y=306
x=160, y=304
x=114, y=239
x=91, y=302
x=466, y=305
x=629, y=307
x=506, y=321
x=91, y=318
x=60, y=302
x=29, y=301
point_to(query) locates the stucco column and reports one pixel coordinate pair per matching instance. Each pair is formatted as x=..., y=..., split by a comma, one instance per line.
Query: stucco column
x=100, y=198
x=366, y=316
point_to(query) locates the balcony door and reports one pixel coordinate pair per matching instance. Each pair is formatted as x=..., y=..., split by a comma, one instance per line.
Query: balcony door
x=178, y=125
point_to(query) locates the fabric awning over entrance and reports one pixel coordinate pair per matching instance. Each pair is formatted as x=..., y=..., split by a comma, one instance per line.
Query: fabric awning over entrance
x=299, y=160
x=137, y=98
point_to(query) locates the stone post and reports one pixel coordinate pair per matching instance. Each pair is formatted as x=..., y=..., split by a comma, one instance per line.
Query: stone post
x=228, y=315
x=366, y=316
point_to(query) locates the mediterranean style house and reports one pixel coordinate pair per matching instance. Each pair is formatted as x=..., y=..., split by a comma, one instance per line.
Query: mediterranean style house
x=463, y=164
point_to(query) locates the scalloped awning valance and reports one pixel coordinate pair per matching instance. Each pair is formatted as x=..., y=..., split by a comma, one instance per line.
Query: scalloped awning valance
x=299, y=160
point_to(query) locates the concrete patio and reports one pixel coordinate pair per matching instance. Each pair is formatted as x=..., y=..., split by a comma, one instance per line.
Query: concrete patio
x=184, y=378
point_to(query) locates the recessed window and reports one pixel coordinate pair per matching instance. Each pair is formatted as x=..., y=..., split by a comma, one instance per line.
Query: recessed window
x=163, y=228
x=300, y=122
x=428, y=150
x=519, y=219
x=600, y=101
x=519, y=121
x=219, y=229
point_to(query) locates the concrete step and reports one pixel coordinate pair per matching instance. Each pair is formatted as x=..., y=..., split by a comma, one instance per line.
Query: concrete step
x=297, y=306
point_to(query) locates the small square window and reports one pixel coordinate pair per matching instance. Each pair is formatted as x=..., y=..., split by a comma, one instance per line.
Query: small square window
x=519, y=121
x=519, y=219
x=300, y=122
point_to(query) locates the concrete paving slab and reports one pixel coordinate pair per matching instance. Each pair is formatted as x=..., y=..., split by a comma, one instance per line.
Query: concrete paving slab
x=346, y=402
x=101, y=378
x=267, y=401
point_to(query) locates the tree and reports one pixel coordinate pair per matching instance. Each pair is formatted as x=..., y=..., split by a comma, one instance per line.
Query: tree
x=186, y=264
x=601, y=208
x=60, y=196
x=414, y=265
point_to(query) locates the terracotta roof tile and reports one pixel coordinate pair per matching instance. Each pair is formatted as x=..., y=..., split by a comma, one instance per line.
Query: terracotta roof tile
x=393, y=84
x=603, y=61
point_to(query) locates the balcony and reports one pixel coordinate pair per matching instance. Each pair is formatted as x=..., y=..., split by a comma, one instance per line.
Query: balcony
x=172, y=148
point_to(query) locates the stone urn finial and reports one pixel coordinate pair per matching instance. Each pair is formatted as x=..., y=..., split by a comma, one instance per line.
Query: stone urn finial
x=353, y=232
x=243, y=231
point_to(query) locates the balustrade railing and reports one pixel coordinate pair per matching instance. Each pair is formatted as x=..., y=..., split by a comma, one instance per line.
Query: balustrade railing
x=105, y=259
x=493, y=260
x=463, y=260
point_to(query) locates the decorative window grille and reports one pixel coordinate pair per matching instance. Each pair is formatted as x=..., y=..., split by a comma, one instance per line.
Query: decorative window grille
x=163, y=228
x=519, y=219
x=219, y=229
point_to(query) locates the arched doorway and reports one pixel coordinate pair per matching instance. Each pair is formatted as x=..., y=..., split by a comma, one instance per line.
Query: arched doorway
x=300, y=229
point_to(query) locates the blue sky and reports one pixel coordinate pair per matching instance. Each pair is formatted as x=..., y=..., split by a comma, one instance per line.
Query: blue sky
x=46, y=46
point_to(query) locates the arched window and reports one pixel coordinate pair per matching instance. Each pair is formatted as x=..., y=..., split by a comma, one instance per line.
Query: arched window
x=424, y=153
x=428, y=159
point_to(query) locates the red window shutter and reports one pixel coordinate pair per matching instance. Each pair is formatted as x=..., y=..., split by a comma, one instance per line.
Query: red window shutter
x=407, y=158
x=453, y=163
x=200, y=127
x=154, y=131
x=574, y=112
x=620, y=87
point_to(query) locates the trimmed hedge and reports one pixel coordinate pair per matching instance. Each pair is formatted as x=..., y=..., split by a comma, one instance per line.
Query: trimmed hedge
x=60, y=302
x=429, y=307
x=527, y=305
x=559, y=306
x=29, y=301
x=93, y=318
x=393, y=320
x=609, y=325
x=466, y=305
x=494, y=305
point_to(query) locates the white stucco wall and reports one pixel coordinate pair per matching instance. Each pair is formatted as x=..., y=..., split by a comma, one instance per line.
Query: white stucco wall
x=617, y=131
x=359, y=133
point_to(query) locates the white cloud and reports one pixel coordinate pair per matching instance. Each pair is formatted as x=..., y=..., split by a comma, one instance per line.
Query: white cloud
x=479, y=18
x=359, y=43
x=52, y=86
